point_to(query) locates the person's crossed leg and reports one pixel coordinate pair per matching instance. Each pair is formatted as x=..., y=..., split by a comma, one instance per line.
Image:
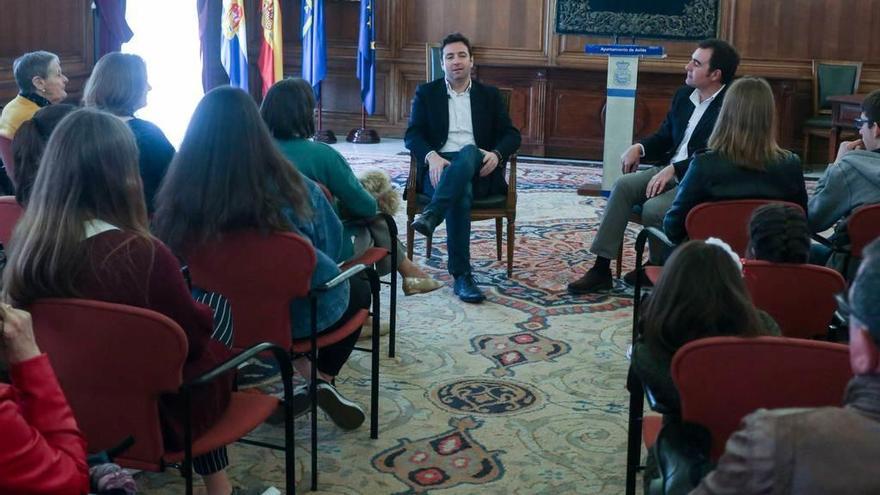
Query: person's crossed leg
x=451, y=199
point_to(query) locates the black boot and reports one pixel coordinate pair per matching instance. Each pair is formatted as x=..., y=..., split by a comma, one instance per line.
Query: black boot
x=426, y=223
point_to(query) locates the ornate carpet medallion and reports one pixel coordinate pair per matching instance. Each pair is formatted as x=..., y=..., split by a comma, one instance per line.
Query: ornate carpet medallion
x=510, y=350
x=484, y=396
x=446, y=460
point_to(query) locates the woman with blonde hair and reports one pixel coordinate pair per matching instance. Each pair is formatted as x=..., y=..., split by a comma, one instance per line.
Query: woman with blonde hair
x=743, y=161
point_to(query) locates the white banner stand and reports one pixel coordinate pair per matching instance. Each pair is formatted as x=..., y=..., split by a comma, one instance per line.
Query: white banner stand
x=623, y=72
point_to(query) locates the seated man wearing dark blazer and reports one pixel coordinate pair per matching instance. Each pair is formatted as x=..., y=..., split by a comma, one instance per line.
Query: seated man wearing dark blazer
x=461, y=136
x=685, y=130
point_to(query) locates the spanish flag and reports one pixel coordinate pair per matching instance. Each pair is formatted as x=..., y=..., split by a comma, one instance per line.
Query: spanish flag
x=233, y=45
x=270, y=62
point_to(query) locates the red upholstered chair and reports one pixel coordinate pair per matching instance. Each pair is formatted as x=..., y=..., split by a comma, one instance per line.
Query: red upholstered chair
x=802, y=309
x=863, y=227
x=260, y=275
x=727, y=220
x=115, y=361
x=10, y=212
x=723, y=379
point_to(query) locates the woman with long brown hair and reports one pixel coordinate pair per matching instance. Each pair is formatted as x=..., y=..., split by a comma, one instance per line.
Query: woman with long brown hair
x=229, y=175
x=743, y=162
x=84, y=234
x=701, y=294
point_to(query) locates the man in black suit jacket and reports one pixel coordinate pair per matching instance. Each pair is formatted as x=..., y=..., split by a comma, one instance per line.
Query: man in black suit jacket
x=461, y=136
x=685, y=130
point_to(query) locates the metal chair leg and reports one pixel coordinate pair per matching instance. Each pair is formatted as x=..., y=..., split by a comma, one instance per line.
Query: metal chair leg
x=375, y=353
x=634, y=434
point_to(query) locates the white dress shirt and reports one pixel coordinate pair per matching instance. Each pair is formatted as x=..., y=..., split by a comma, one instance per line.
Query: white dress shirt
x=700, y=108
x=461, y=125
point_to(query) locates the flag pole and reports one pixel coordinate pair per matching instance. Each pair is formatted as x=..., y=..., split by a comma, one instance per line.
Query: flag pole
x=321, y=135
x=362, y=135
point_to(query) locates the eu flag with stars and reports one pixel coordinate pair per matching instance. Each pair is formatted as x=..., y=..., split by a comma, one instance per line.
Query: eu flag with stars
x=314, y=64
x=366, y=61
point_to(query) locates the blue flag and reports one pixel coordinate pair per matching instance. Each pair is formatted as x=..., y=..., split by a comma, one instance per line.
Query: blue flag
x=314, y=62
x=233, y=47
x=366, y=61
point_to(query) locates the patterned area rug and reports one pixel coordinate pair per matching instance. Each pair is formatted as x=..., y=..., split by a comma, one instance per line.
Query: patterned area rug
x=522, y=394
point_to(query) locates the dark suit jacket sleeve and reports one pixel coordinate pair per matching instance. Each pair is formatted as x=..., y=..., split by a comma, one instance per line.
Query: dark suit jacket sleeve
x=416, y=138
x=660, y=144
x=691, y=192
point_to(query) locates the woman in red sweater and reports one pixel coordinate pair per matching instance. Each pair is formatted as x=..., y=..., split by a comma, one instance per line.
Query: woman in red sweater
x=85, y=234
x=41, y=449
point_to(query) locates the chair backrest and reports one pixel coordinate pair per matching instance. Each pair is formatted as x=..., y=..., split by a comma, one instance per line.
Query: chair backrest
x=723, y=379
x=800, y=297
x=727, y=220
x=113, y=362
x=260, y=274
x=832, y=78
x=863, y=227
x=6, y=155
x=433, y=62
x=10, y=213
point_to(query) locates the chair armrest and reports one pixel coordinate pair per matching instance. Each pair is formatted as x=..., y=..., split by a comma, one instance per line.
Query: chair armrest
x=641, y=239
x=342, y=277
x=280, y=354
x=823, y=241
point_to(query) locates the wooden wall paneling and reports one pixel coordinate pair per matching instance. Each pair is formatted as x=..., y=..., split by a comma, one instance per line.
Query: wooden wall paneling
x=807, y=29
x=63, y=27
x=512, y=31
x=525, y=87
x=559, y=104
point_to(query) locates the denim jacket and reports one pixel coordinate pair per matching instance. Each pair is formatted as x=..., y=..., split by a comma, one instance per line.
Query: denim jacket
x=324, y=230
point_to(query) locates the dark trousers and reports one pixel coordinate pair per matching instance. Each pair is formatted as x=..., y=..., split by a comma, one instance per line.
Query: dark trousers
x=452, y=200
x=333, y=357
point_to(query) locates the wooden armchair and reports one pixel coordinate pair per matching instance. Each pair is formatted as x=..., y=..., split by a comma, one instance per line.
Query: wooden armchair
x=496, y=207
x=830, y=78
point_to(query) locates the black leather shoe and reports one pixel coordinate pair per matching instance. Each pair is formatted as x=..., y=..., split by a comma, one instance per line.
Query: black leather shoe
x=630, y=278
x=426, y=223
x=594, y=280
x=466, y=289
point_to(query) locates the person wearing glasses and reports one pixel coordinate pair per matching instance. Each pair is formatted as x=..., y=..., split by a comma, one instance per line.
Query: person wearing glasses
x=853, y=180
x=817, y=450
